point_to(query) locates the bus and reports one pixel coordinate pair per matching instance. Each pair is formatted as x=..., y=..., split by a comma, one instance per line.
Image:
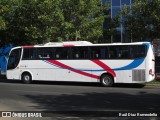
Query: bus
x=83, y=61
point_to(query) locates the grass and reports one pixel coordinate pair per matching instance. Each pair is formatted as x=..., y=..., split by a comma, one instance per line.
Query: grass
x=154, y=82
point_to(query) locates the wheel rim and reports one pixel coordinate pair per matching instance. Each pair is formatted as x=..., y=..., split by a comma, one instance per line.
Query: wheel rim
x=106, y=80
x=26, y=78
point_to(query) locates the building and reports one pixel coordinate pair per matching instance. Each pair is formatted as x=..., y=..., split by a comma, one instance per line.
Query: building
x=115, y=7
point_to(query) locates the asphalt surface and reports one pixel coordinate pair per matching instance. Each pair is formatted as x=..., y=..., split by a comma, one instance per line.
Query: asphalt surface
x=75, y=99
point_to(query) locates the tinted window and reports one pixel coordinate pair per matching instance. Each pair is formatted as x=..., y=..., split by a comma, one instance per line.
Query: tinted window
x=45, y=53
x=62, y=53
x=99, y=52
x=29, y=53
x=80, y=53
x=84, y=52
x=119, y=52
x=127, y=52
x=138, y=51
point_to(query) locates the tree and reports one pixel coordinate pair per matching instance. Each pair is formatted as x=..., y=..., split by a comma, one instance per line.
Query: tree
x=83, y=20
x=142, y=21
x=33, y=21
x=41, y=21
x=4, y=9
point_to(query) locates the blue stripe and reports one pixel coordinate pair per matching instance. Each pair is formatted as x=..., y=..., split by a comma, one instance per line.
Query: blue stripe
x=130, y=66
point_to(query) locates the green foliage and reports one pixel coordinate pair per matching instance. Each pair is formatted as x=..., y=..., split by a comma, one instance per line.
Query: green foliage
x=143, y=21
x=3, y=10
x=40, y=21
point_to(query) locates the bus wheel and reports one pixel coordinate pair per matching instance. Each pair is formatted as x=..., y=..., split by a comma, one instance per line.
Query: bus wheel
x=106, y=80
x=26, y=78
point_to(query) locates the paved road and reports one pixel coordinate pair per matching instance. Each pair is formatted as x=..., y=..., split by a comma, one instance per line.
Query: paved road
x=53, y=96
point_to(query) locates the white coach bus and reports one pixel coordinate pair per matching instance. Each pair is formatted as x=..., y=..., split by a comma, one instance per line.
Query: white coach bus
x=82, y=61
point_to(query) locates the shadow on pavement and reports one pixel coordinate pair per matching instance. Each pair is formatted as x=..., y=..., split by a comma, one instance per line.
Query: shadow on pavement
x=87, y=104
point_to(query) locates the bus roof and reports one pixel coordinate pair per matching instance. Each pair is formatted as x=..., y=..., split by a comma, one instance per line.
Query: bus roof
x=66, y=43
x=78, y=43
x=133, y=43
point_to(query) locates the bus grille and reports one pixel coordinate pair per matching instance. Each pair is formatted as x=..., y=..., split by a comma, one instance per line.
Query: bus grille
x=138, y=75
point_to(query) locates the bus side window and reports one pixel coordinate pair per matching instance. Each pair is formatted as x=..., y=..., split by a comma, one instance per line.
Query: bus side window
x=29, y=54
x=56, y=53
x=80, y=52
x=113, y=52
x=75, y=53
x=44, y=53
x=95, y=52
x=104, y=53
x=125, y=55
x=86, y=53
x=62, y=53
x=138, y=52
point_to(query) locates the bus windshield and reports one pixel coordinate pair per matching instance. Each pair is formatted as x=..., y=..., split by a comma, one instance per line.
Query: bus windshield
x=14, y=58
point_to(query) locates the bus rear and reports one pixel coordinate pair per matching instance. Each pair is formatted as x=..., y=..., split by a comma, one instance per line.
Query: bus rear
x=150, y=63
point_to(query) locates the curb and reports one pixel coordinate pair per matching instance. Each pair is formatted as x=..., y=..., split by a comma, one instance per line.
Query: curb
x=152, y=86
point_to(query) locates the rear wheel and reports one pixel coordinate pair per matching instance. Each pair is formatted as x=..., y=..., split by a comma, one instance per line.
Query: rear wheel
x=106, y=80
x=26, y=78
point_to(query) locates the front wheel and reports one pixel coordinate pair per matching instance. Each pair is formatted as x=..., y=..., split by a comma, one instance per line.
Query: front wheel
x=26, y=78
x=106, y=80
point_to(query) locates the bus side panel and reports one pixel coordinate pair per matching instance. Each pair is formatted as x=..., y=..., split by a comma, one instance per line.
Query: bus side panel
x=13, y=74
x=82, y=70
x=124, y=76
x=60, y=70
x=125, y=70
x=114, y=66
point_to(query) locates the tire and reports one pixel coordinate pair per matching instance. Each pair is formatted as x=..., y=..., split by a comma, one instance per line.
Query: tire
x=106, y=80
x=26, y=78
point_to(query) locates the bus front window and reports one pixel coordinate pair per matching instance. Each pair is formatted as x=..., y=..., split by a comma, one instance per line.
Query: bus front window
x=14, y=58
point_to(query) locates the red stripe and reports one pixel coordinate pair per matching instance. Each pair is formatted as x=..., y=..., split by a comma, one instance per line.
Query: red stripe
x=28, y=46
x=72, y=69
x=105, y=67
x=68, y=45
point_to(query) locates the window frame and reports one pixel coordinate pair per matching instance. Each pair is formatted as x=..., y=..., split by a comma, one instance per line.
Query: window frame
x=89, y=50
